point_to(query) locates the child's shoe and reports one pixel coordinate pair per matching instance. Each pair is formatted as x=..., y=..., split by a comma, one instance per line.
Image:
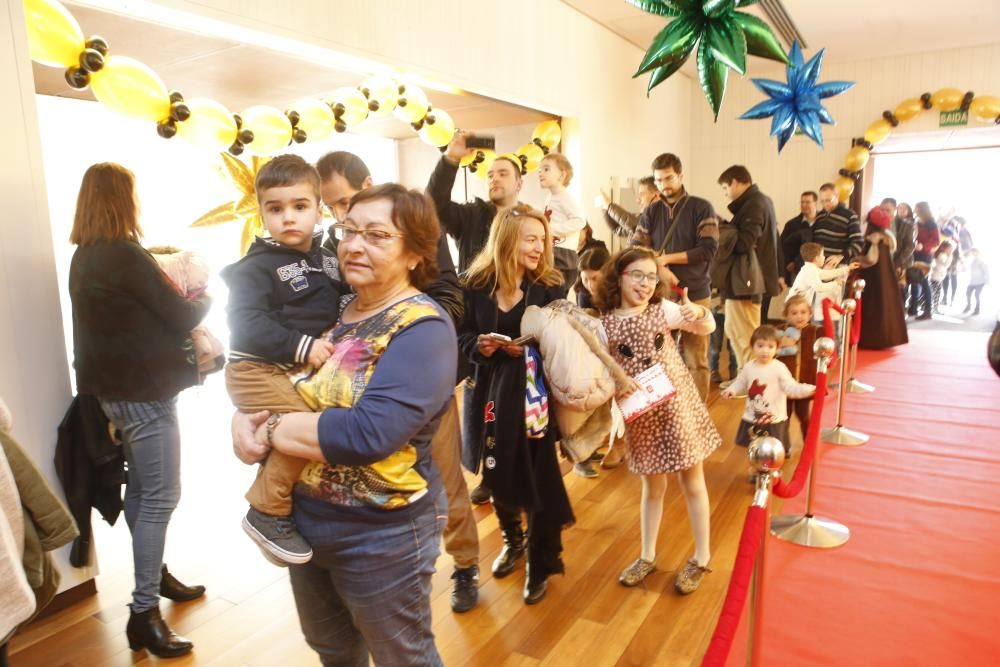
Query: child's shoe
x=636, y=572
x=277, y=537
x=689, y=579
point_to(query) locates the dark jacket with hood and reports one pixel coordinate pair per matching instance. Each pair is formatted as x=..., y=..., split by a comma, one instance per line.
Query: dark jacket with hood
x=469, y=224
x=280, y=300
x=757, y=231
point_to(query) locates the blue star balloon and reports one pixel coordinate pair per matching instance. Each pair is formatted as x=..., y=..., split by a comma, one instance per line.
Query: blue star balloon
x=796, y=103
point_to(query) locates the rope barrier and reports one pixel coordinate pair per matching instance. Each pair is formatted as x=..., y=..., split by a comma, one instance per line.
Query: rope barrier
x=739, y=585
x=794, y=487
x=856, y=322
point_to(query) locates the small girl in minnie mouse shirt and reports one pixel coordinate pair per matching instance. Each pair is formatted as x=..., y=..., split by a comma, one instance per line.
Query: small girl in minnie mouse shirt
x=768, y=384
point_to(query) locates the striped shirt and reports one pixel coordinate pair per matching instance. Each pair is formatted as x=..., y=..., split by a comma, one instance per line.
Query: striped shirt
x=839, y=232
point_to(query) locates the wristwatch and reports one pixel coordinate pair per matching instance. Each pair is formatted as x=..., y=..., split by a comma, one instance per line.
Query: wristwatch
x=272, y=423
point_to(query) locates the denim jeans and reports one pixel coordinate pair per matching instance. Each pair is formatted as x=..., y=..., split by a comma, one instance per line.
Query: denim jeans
x=367, y=589
x=152, y=443
x=715, y=346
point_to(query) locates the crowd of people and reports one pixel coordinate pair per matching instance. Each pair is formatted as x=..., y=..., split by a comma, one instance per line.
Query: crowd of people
x=349, y=351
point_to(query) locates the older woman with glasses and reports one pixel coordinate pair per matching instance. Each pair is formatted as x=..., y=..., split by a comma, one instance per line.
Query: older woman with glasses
x=513, y=271
x=370, y=502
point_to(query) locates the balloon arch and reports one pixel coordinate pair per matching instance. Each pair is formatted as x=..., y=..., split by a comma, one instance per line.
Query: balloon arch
x=984, y=108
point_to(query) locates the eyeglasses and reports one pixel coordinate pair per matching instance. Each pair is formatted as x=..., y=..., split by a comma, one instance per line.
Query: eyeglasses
x=372, y=237
x=640, y=277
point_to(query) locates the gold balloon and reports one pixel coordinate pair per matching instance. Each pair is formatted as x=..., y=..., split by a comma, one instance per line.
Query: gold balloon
x=534, y=154
x=354, y=103
x=908, y=109
x=54, y=36
x=271, y=129
x=947, y=99
x=857, y=157
x=210, y=126
x=384, y=91
x=985, y=108
x=315, y=118
x=548, y=133
x=416, y=105
x=483, y=168
x=129, y=87
x=845, y=186
x=878, y=131
x=440, y=133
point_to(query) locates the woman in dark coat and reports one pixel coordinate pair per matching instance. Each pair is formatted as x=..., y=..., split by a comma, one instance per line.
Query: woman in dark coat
x=513, y=271
x=882, y=321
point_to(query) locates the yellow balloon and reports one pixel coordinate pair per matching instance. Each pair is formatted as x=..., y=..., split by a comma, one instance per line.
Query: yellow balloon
x=129, y=87
x=54, y=36
x=534, y=154
x=315, y=118
x=947, y=99
x=382, y=90
x=483, y=167
x=416, y=105
x=908, y=109
x=271, y=129
x=548, y=133
x=985, y=108
x=857, y=158
x=845, y=186
x=878, y=131
x=354, y=104
x=210, y=126
x=440, y=132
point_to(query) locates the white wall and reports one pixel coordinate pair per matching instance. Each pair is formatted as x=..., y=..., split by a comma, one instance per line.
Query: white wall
x=34, y=377
x=881, y=84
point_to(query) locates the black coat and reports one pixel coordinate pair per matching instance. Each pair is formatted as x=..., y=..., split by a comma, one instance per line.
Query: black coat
x=796, y=232
x=91, y=469
x=757, y=230
x=481, y=317
x=131, y=328
x=469, y=224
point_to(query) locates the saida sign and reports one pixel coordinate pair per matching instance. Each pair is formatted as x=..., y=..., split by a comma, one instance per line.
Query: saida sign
x=955, y=118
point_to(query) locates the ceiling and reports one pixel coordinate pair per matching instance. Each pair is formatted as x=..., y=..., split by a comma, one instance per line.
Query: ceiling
x=848, y=29
x=232, y=72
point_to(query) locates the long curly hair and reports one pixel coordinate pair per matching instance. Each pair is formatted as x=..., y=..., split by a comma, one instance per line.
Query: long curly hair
x=608, y=294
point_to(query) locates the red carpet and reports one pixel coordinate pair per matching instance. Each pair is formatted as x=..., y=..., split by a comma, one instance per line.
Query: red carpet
x=918, y=583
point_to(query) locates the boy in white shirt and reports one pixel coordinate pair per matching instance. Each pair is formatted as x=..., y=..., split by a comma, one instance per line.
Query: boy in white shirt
x=563, y=213
x=816, y=283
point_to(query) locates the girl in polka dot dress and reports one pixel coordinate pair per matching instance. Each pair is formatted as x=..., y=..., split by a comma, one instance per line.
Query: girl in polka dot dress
x=675, y=436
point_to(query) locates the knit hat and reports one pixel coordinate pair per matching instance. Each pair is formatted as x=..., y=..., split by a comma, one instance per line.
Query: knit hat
x=878, y=217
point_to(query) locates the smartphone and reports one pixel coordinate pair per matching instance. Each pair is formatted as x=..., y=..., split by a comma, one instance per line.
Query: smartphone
x=500, y=338
x=481, y=141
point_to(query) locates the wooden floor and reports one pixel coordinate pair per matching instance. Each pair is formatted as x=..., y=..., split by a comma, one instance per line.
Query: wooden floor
x=248, y=616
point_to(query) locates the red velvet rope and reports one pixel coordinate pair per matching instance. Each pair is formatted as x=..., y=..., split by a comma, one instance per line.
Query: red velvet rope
x=792, y=488
x=739, y=585
x=856, y=324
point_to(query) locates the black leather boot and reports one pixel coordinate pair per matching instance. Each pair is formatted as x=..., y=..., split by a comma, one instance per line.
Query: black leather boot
x=147, y=630
x=513, y=549
x=174, y=590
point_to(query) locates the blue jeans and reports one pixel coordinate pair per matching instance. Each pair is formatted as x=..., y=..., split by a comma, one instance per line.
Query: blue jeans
x=715, y=346
x=367, y=589
x=152, y=443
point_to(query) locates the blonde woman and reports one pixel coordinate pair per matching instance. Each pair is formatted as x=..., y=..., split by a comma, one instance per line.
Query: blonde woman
x=513, y=271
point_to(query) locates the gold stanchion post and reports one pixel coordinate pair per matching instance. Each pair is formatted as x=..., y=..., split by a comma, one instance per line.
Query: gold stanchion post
x=840, y=434
x=853, y=386
x=808, y=529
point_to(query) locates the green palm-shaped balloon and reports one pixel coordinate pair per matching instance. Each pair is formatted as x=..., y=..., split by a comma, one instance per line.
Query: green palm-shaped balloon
x=722, y=35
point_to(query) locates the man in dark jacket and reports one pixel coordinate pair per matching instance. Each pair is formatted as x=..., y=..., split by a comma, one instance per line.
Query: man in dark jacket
x=683, y=231
x=754, y=261
x=620, y=220
x=469, y=223
x=797, y=231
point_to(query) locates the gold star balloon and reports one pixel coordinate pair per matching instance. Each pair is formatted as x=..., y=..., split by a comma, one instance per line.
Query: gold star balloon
x=244, y=209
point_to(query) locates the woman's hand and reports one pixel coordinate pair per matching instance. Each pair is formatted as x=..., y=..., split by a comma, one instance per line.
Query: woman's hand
x=247, y=445
x=514, y=350
x=487, y=345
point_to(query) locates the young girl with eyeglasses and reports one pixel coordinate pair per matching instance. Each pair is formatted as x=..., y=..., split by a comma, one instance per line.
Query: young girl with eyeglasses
x=675, y=436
